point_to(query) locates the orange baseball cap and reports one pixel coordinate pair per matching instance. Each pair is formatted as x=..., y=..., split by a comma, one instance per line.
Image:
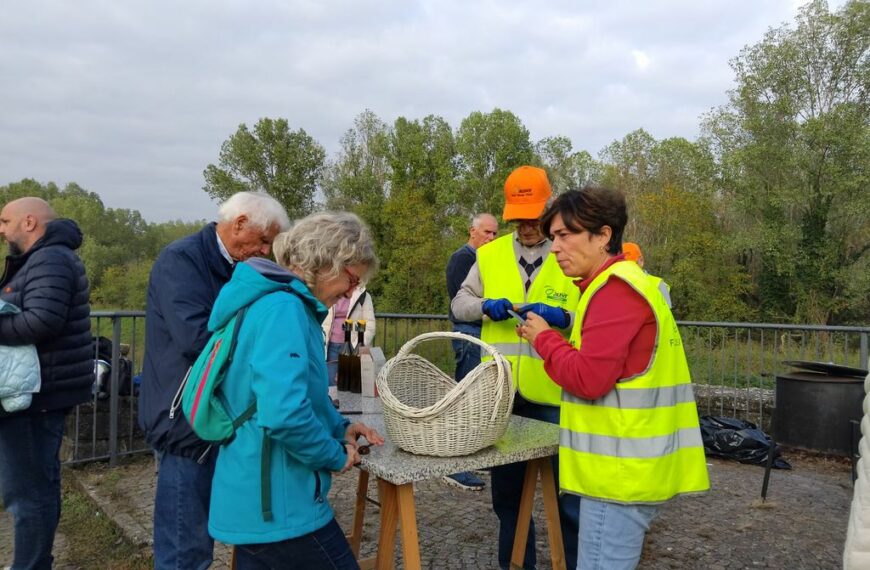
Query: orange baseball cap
x=526, y=192
x=631, y=251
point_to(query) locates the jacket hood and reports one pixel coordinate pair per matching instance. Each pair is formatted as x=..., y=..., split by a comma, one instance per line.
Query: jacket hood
x=256, y=278
x=61, y=231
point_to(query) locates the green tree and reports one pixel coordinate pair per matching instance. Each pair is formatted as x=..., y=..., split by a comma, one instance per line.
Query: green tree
x=118, y=246
x=566, y=169
x=423, y=192
x=273, y=159
x=793, y=145
x=358, y=179
x=490, y=146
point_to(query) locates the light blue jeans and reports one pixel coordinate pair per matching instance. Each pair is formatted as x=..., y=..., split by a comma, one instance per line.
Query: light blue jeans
x=611, y=535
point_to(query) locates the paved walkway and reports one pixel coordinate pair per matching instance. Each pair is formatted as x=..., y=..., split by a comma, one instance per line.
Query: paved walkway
x=7, y=540
x=802, y=525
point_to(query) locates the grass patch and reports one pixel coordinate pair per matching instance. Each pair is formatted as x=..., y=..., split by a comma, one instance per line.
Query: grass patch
x=93, y=541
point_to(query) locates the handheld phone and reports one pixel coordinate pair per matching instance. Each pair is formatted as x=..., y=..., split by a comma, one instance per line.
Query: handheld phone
x=517, y=316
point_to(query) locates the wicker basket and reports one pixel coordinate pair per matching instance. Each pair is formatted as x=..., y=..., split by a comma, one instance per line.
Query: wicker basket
x=428, y=413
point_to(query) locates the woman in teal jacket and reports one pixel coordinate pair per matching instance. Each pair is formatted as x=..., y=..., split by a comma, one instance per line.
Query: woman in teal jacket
x=283, y=519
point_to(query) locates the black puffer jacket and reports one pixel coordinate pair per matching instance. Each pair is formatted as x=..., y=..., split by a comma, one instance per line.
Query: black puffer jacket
x=49, y=285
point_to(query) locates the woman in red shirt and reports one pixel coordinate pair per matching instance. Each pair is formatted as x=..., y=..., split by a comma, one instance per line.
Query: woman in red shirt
x=628, y=417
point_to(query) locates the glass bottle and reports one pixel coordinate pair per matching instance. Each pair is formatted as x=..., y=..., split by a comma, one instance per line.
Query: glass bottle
x=344, y=356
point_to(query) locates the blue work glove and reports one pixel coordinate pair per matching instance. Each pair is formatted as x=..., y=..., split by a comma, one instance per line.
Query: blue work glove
x=497, y=309
x=555, y=316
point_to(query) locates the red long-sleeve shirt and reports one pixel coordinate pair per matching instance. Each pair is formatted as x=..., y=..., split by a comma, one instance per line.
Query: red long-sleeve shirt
x=619, y=332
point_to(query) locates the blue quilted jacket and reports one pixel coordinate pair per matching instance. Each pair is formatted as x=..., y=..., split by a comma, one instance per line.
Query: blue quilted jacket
x=19, y=370
x=49, y=285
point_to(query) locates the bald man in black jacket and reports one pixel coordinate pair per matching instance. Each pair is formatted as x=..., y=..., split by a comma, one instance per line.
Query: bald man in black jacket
x=46, y=280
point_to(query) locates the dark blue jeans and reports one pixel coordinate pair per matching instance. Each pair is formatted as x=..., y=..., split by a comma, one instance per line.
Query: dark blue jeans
x=507, y=488
x=30, y=484
x=466, y=354
x=325, y=548
x=181, y=539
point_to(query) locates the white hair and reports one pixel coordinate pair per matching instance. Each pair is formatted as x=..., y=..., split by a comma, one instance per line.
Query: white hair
x=475, y=221
x=262, y=210
x=326, y=242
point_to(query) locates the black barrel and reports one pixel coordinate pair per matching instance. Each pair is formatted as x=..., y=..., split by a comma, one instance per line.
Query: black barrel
x=814, y=410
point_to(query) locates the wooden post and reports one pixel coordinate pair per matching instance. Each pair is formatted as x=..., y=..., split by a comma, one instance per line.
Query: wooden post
x=359, y=513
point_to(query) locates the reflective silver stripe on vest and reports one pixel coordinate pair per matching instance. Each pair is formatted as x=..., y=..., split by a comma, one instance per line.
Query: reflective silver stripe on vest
x=631, y=447
x=516, y=349
x=642, y=398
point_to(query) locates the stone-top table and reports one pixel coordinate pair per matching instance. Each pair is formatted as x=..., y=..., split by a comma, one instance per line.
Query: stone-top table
x=355, y=404
x=396, y=471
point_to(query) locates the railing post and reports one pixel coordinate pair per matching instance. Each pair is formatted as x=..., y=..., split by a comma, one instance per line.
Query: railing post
x=863, y=351
x=113, y=390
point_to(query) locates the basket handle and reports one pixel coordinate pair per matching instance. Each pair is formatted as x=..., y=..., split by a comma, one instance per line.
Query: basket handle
x=500, y=361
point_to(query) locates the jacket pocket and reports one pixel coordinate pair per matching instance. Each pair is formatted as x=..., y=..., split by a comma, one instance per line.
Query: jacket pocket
x=318, y=497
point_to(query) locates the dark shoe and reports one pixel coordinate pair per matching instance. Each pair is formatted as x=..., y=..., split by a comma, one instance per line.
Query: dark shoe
x=465, y=480
x=335, y=403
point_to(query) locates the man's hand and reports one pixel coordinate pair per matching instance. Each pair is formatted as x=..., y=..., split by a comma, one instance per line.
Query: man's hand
x=555, y=316
x=497, y=309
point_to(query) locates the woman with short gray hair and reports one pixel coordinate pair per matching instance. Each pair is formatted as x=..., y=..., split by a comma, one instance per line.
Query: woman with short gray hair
x=279, y=514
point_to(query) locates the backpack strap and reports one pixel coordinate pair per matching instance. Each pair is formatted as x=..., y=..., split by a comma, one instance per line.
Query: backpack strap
x=266, y=452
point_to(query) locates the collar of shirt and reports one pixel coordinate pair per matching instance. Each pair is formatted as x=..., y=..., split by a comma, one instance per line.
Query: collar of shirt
x=223, y=250
x=532, y=250
x=584, y=284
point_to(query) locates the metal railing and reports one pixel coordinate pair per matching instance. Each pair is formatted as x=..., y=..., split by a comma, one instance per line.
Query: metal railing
x=733, y=365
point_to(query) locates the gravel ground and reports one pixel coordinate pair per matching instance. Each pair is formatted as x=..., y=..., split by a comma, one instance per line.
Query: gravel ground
x=801, y=526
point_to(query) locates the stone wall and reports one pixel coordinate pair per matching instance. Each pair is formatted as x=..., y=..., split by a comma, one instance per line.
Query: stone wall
x=751, y=404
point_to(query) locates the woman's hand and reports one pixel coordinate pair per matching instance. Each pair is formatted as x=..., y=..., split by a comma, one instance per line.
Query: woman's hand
x=352, y=456
x=358, y=429
x=533, y=326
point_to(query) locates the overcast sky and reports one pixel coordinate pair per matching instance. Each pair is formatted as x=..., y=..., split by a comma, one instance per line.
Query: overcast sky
x=132, y=99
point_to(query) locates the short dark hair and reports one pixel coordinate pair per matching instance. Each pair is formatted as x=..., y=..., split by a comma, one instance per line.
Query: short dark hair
x=590, y=208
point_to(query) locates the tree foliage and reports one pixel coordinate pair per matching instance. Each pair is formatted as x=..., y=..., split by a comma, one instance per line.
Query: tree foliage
x=274, y=159
x=793, y=145
x=119, y=246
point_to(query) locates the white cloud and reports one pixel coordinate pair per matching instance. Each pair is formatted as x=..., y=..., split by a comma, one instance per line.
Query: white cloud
x=641, y=60
x=133, y=99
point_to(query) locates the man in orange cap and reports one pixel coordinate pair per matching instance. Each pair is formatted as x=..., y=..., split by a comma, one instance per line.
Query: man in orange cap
x=633, y=253
x=516, y=273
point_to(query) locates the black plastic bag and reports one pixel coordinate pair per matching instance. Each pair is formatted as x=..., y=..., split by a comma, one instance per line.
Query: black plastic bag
x=738, y=439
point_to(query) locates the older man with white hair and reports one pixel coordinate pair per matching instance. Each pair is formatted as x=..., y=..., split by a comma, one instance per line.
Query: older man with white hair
x=184, y=283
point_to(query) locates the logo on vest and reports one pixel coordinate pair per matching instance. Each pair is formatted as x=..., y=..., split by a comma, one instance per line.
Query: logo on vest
x=555, y=296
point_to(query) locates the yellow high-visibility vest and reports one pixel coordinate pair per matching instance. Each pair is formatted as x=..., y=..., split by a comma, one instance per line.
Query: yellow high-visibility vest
x=641, y=442
x=501, y=278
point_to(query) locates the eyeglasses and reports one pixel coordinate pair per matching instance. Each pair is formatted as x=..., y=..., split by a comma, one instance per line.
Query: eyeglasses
x=353, y=280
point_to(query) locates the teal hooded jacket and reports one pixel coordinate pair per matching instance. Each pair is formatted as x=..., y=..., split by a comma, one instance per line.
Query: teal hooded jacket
x=279, y=363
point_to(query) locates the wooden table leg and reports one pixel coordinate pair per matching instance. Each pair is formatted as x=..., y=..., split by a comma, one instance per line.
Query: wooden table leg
x=524, y=517
x=359, y=513
x=408, y=518
x=389, y=520
x=233, y=559
x=551, y=510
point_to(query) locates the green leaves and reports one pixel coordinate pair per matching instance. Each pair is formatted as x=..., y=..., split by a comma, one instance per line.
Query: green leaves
x=793, y=144
x=286, y=164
